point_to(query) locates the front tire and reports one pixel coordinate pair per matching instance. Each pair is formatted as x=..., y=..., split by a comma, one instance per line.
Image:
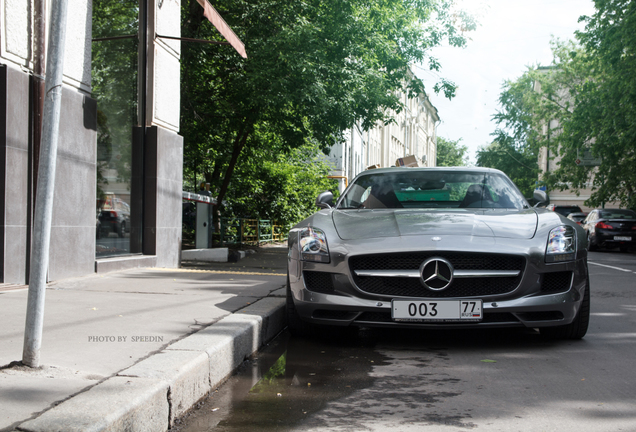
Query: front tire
x=577, y=328
x=296, y=326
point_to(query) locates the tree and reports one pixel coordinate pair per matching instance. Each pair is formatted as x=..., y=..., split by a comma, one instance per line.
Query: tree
x=281, y=188
x=313, y=69
x=521, y=166
x=451, y=153
x=535, y=110
x=590, y=92
x=605, y=111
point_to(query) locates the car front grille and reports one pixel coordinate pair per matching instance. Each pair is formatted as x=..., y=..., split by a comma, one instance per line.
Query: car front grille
x=412, y=287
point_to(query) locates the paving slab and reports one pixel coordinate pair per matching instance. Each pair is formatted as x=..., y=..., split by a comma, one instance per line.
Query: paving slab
x=117, y=404
x=117, y=337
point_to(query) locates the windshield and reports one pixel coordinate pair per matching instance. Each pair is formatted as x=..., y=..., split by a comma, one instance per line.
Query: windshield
x=432, y=189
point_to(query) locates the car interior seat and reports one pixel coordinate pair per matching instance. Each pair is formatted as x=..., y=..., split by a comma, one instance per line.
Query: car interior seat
x=473, y=197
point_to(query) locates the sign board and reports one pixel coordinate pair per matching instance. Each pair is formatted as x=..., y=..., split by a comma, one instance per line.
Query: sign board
x=585, y=158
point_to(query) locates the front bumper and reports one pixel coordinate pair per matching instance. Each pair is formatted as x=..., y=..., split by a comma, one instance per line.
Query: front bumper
x=526, y=306
x=536, y=311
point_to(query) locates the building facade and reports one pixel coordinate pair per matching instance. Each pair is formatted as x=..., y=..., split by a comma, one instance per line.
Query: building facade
x=413, y=132
x=118, y=183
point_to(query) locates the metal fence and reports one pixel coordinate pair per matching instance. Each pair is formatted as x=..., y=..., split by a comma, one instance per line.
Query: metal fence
x=237, y=231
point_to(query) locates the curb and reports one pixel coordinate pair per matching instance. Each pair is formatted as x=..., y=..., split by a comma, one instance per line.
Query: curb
x=150, y=395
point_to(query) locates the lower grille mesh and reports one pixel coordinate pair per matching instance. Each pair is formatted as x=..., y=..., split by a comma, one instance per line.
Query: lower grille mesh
x=319, y=282
x=411, y=287
x=556, y=282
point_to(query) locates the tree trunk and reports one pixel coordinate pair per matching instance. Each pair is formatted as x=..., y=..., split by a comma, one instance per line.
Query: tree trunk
x=237, y=147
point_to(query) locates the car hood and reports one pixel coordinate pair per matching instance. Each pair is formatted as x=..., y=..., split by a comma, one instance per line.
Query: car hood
x=364, y=224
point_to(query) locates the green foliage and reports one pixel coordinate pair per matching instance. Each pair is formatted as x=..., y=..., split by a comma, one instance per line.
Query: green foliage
x=606, y=109
x=451, y=153
x=589, y=93
x=283, y=189
x=313, y=69
x=114, y=85
x=517, y=163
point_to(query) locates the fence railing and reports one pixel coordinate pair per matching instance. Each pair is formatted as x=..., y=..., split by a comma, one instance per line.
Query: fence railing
x=237, y=231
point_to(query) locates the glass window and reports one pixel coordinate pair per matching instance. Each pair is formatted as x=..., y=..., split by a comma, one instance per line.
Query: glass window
x=114, y=86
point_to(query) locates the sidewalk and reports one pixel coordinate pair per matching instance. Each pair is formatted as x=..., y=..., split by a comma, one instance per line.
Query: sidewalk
x=134, y=350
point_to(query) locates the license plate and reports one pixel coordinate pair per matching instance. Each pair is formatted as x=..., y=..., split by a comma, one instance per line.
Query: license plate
x=436, y=310
x=621, y=238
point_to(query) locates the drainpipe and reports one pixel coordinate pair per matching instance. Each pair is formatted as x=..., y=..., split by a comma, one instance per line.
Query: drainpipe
x=46, y=186
x=368, y=145
x=405, y=120
x=351, y=153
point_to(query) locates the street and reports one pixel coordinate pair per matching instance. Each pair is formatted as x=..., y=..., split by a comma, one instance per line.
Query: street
x=445, y=381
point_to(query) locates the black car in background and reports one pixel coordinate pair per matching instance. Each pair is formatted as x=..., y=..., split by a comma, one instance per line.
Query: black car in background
x=611, y=228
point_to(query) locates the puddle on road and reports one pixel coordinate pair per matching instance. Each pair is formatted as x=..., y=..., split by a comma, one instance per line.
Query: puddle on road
x=288, y=381
x=292, y=380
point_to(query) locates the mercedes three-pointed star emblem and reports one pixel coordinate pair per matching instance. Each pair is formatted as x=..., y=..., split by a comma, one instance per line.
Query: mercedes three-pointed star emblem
x=436, y=273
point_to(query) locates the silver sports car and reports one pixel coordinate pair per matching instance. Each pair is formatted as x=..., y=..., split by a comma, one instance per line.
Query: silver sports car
x=437, y=248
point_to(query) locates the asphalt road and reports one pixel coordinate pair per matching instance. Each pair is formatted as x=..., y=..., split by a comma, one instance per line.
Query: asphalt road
x=381, y=380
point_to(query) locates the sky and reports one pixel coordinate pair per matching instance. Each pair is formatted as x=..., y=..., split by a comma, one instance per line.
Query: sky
x=511, y=35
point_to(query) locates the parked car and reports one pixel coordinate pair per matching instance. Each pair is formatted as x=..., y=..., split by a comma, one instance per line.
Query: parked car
x=437, y=248
x=611, y=228
x=565, y=210
x=114, y=216
x=577, y=217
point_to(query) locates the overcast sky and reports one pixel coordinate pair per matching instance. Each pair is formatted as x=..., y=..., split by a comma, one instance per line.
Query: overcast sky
x=512, y=34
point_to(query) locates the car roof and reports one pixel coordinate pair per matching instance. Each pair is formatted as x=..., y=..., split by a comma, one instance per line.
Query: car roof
x=416, y=169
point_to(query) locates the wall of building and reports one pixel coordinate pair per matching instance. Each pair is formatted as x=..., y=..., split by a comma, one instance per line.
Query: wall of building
x=73, y=223
x=411, y=133
x=73, y=232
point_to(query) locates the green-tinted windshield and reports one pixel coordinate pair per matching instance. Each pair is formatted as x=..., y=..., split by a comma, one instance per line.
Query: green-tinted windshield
x=432, y=189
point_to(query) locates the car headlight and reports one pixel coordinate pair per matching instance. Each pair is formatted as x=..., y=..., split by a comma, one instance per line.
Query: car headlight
x=561, y=244
x=313, y=245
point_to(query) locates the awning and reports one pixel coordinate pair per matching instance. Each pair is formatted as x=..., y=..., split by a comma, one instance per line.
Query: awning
x=213, y=16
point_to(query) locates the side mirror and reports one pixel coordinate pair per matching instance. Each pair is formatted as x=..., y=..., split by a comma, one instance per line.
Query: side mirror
x=541, y=197
x=324, y=200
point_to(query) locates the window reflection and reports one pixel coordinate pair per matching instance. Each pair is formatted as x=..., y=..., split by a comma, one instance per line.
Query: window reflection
x=114, y=86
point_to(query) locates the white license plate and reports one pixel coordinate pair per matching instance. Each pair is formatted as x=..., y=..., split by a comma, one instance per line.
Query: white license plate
x=436, y=310
x=621, y=238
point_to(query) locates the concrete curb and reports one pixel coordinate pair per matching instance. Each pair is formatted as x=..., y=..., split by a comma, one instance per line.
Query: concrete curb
x=150, y=395
x=206, y=255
